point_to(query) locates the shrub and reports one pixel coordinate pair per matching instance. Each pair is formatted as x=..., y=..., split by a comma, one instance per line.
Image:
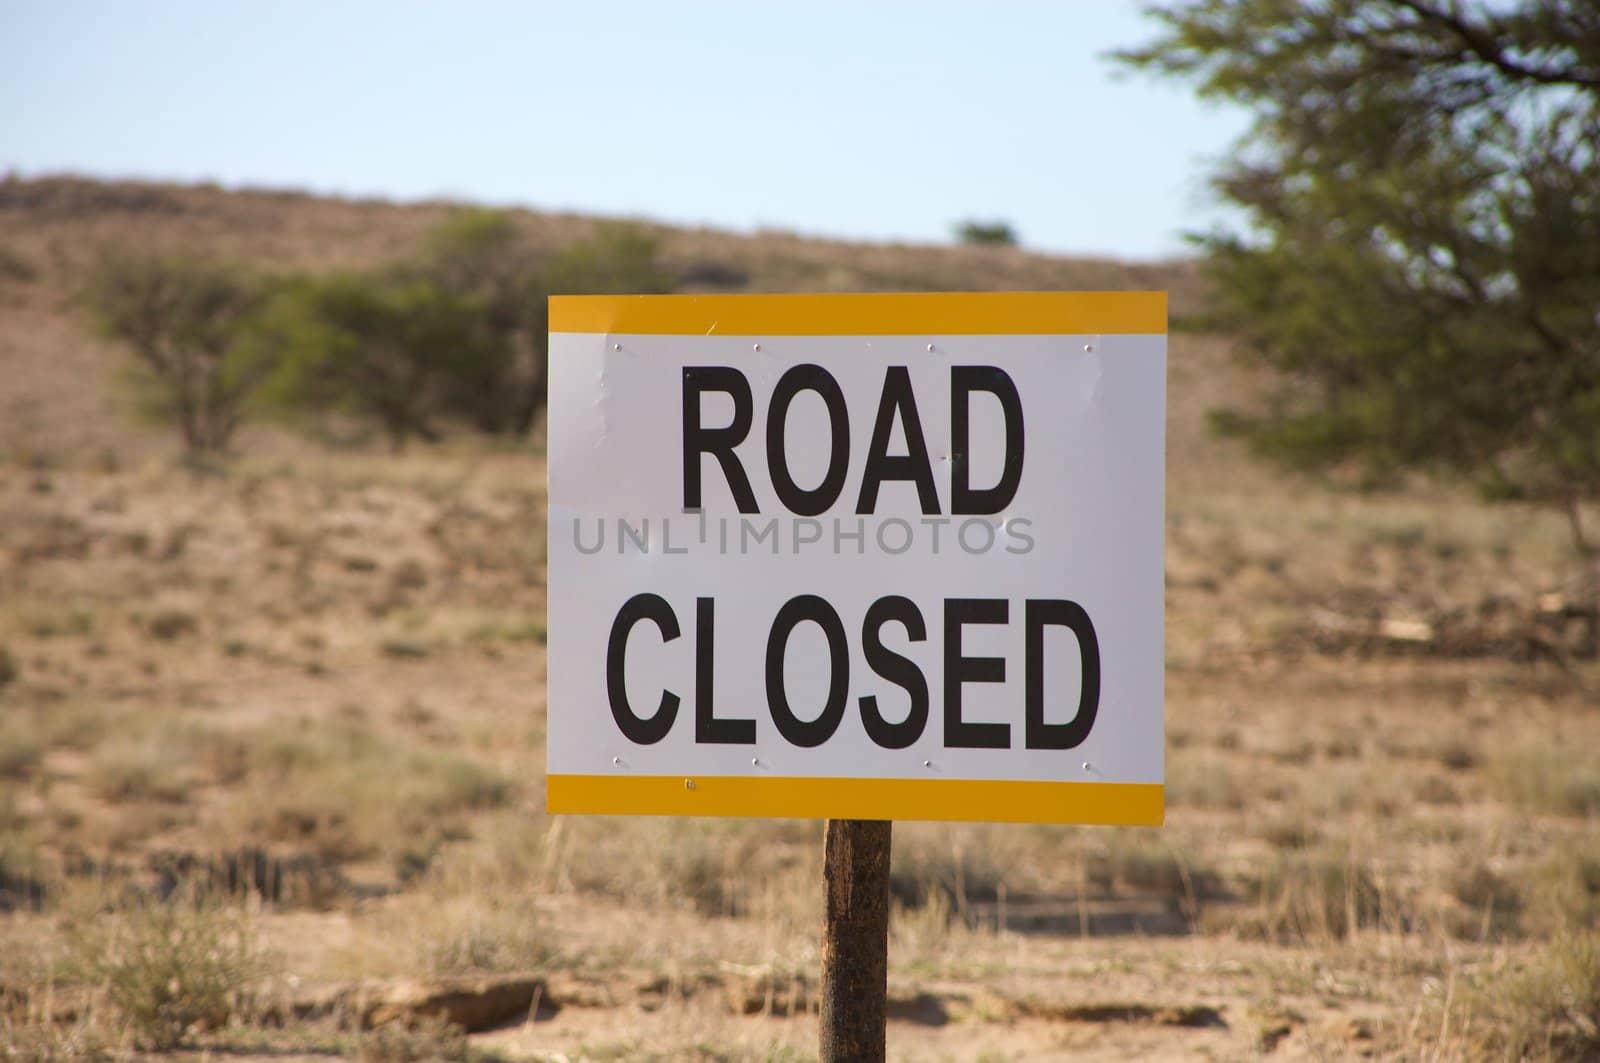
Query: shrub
x=349, y=793
x=1493, y=902
x=1564, y=894
x=976, y=233
x=183, y=318
x=1313, y=897
x=619, y=259
x=23, y=881
x=432, y=1040
x=939, y=869
x=38, y=1041
x=1552, y=779
x=16, y=269
x=1551, y=1010
x=170, y=968
x=20, y=748
x=140, y=770
x=166, y=625
x=473, y=934
x=478, y=254
x=392, y=347
x=1201, y=781
x=54, y=620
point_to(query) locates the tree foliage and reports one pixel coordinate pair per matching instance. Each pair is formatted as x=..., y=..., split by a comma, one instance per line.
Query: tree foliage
x=182, y=318
x=976, y=232
x=456, y=334
x=619, y=259
x=1421, y=259
x=390, y=347
x=479, y=255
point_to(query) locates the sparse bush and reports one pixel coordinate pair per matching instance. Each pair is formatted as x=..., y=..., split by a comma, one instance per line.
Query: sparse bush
x=1564, y=891
x=20, y=747
x=141, y=770
x=979, y=233
x=168, y=624
x=706, y=875
x=402, y=648
x=29, y=1041
x=476, y=933
x=718, y=869
x=508, y=628
x=75, y=725
x=1312, y=897
x=1434, y=790
x=156, y=756
x=184, y=320
x=1493, y=901
x=1551, y=1010
x=1203, y=782
x=1141, y=862
x=170, y=969
x=1459, y=755
x=430, y=1040
x=54, y=620
x=23, y=880
x=714, y=275
x=1291, y=832
x=926, y=868
x=349, y=793
x=1552, y=779
x=16, y=269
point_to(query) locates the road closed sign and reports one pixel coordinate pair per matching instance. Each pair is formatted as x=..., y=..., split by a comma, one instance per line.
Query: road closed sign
x=858, y=556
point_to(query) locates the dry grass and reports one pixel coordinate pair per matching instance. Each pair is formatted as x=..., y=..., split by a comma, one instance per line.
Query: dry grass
x=20, y=748
x=1553, y=780
x=336, y=659
x=349, y=793
x=1546, y=1009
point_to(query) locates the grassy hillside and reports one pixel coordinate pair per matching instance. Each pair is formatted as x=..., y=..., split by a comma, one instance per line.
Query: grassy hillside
x=310, y=682
x=50, y=230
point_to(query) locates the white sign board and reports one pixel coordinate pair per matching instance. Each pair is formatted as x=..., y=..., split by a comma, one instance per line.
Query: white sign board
x=858, y=556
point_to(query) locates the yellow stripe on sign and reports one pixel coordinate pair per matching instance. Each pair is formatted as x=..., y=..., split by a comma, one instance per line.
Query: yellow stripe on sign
x=984, y=800
x=888, y=314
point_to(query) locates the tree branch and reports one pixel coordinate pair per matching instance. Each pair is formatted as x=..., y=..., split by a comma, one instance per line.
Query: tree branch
x=1480, y=42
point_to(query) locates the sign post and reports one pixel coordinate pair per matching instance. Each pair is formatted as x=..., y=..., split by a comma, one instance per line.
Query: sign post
x=859, y=558
x=855, y=940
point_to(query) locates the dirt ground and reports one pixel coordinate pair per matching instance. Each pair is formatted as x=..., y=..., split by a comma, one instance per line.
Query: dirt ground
x=312, y=677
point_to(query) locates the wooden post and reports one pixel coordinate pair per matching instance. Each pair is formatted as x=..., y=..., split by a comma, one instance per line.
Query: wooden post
x=855, y=940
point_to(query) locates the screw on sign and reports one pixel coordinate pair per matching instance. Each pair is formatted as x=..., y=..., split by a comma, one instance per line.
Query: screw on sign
x=859, y=558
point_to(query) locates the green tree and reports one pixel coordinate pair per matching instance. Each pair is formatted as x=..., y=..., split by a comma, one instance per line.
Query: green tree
x=183, y=319
x=391, y=347
x=479, y=254
x=977, y=233
x=1420, y=260
x=619, y=259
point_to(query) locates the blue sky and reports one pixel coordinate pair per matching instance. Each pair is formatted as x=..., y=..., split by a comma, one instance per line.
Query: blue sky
x=885, y=121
